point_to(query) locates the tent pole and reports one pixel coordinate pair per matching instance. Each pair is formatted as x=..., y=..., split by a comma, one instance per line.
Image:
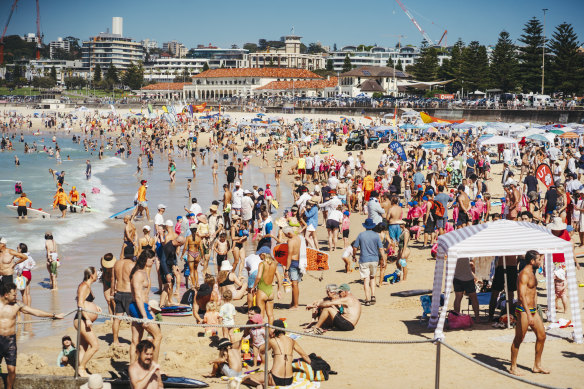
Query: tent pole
x=506, y=291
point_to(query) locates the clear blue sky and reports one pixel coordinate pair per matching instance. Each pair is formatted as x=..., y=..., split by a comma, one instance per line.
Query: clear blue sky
x=343, y=22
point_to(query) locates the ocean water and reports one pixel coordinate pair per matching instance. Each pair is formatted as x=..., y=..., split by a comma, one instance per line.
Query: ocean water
x=84, y=238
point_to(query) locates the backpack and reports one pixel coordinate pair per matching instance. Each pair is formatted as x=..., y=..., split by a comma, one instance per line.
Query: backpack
x=438, y=209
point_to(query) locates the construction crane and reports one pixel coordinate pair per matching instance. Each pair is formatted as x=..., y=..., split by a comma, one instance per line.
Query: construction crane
x=39, y=36
x=424, y=34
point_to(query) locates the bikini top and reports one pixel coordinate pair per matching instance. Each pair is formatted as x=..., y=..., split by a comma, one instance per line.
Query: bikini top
x=227, y=282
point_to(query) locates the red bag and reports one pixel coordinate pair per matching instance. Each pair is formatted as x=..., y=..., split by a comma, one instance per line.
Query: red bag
x=457, y=321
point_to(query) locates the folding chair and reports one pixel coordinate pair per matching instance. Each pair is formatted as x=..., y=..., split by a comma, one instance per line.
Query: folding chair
x=484, y=299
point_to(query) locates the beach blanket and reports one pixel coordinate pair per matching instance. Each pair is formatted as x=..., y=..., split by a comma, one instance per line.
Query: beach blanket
x=303, y=371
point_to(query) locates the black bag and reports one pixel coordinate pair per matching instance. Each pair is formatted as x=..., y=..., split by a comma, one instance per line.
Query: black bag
x=319, y=364
x=188, y=297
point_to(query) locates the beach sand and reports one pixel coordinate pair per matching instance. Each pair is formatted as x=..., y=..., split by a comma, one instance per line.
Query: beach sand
x=358, y=365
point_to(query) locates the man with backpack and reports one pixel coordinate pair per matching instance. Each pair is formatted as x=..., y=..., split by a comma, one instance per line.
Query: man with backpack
x=443, y=199
x=434, y=211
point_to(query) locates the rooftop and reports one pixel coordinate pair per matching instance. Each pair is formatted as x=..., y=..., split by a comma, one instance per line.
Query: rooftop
x=375, y=71
x=306, y=84
x=166, y=86
x=258, y=72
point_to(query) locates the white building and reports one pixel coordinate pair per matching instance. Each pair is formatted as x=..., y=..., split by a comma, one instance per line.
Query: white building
x=167, y=69
x=175, y=48
x=368, y=80
x=59, y=44
x=30, y=38
x=149, y=44
x=288, y=56
x=42, y=67
x=378, y=56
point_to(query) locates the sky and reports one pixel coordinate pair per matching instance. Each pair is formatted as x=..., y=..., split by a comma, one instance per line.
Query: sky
x=343, y=22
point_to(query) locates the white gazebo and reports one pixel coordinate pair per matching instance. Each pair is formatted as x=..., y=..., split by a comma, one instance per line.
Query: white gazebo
x=503, y=237
x=501, y=140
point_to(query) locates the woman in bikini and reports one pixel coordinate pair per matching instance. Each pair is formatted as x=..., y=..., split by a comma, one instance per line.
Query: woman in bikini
x=227, y=280
x=89, y=344
x=194, y=249
x=238, y=239
x=278, y=170
x=267, y=270
x=282, y=348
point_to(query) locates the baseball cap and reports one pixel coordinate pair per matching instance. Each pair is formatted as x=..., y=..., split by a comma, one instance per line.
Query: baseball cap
x=146, y=227
x=344, y=288
x=161, y=206
x=264, y=250
x=143, y=182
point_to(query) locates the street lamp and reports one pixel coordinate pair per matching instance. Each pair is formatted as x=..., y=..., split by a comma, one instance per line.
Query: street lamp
x=543, y=53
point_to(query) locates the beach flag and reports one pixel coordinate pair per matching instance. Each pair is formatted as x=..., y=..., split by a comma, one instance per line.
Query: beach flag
x=150, y=108
x=395, y=117
x=191, y=111
x=544, y=174
x=457, y=148
x=165, y=109
x=398, y=149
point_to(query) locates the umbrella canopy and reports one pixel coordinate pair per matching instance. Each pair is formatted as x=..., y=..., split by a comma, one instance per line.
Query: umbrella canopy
x=569, y=135
x=538, y=138
x=433, y=145
x=557, y=132
x=498, y=140
x=261, y=114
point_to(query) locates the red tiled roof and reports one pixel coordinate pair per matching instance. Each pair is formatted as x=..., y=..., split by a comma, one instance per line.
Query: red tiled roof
x=310, y=84
x=166, y=86
x=258, y=72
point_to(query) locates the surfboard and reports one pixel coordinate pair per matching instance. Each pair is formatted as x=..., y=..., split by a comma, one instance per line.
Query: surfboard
x=413, y=292
x=87, y=209
x=316, y=259
x=176, y=310
x=32, y=212
x=168, y=382
x=129, y=209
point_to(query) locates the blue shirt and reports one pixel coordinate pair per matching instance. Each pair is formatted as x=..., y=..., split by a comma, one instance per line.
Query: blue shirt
x=418, y=178
x=312, y=216
x=470, y=163
x=369, y=242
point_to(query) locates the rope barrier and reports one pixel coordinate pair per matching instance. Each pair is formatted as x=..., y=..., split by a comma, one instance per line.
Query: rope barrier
x=499, y=371
x=43, y=320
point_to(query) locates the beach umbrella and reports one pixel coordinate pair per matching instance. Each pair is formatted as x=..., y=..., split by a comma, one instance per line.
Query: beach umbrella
x=431, y=130
x=367, y=117
x=557, y=132
x=433, y=145
x=298, y=120
x=491, y=130
x=569, y=135
x=261, y=114
x=538, y=138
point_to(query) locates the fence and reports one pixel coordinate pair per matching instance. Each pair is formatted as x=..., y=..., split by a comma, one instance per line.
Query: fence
x=437, y=342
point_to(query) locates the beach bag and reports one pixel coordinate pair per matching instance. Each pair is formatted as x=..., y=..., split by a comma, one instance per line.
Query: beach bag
x=458, y=321
x=20, y=282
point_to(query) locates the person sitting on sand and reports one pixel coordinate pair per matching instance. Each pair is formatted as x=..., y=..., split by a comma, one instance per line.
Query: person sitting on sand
x=228, y=362
x=341, y=314
x=331, y=294
x=143, y=372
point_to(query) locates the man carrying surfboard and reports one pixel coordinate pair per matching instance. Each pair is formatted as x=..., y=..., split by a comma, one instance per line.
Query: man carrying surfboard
x=21, y=202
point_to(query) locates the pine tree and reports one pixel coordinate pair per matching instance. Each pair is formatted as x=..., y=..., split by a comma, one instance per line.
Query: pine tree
x=426, y=66
x=347, y=64
x=566, y=67
x=400, y=65
x=475, y=67
x=53, y=73
x=503, y=69
x=205, y=66
x=329, y=65
x=134, y=76
x=97, y=74
x=530, y=55
x=452, y=69
x=112, y=74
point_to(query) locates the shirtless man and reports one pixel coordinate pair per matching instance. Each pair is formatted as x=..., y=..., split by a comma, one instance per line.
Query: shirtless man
x=514, y=202
x=393, y=216
x=139, y=306
x=342, y=190
x=463, y=207
x=143, y=373
x=121, y=291
x=292, y=271
x=7, y=263
x=227, y=195
x=9, y=310
x=341, y=313
x=139, y=165
x=129, y=235
x=526, y=313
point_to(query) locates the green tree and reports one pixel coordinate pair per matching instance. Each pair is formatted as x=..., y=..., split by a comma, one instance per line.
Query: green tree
x=54, y=74
x=566, y=70
x=75, y=82
x=530, y=54
x=17, y=72
x=205, y=66
x=347, y=64
x=452, y=69
x=43, y=82
x=134, y=76
x=329, y=64
x=504, y=64
x=400, y=65
x=315, y=48
x=475, y=67
x=97, y=74
x=251, y=47
x=426, y=66
x=112, y=74
x=74, y=48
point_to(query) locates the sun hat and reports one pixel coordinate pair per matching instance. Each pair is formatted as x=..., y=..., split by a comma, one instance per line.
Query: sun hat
x=257, y=319
x=213, y=207
x=237, y=183
x=95, y=381
x=169, y=223
x=161, y=206
x=226, y=266
x=3, y=241
x=314, y=199
x=223, y=343
x=246, y=192
x=154, y=305
x=264, y=250
x=369, y=224
x=557, y=224
x=108, y=263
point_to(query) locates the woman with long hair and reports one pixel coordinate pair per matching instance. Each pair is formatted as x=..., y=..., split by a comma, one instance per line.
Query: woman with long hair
x=89, y=344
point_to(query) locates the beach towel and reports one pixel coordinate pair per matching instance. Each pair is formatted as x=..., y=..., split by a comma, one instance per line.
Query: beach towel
x=303, y=371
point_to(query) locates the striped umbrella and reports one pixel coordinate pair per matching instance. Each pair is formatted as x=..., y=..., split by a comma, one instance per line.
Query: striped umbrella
x=569, y=135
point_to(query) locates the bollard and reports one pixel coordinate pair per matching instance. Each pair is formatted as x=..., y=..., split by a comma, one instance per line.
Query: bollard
x=437, y=380
x=79, y=315
x=266, y=339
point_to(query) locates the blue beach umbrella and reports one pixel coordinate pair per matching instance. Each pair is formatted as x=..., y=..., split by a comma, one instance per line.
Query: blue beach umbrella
x=433, y=145
x=538, y=138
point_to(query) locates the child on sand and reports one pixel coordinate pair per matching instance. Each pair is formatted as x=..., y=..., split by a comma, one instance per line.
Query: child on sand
x=560, y=287
x=211, y=317
x=227, y=313
x=345, y=225
x=228, y=362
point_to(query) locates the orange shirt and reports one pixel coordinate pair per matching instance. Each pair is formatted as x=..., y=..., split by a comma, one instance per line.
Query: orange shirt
x=74, y=195
x=368, y=183
x=142, y=193
x=61, y=199
x=21, y=201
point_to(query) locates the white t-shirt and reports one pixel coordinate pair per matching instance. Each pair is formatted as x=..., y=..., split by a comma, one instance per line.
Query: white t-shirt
x=158, y=219
x=227, y=313
x=237, y=196
x=252, y=262
x=336, y=215
x=351, y=162
x=196, y=209
x=246, y=208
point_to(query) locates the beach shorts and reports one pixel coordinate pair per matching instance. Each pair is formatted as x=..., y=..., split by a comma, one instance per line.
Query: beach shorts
x=310, y=172
x=367, y=269
x=499, y=278
x=430, y=226
x=394, y=232
x=135, y=313
x=219, y=259
x=229, y=372
x=27, y=274
x=143, y=204
x=345, y=233
x=54, y=265
x=8, y=349
x=62, y=207
x=301, y=171
x=21, y=210
x=251, y=279
x=123, y=301
x=310, y=228
x=295, y=274
x=462, y=219
x=332, y=224
x=441, y=223
x=464, y=286
x=342, y=324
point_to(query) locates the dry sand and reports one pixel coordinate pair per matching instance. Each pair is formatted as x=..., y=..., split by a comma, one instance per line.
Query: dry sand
x=359, y=365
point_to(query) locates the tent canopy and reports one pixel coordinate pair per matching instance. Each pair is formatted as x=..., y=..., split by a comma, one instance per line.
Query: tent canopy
x=511, y=238
x=498, y=140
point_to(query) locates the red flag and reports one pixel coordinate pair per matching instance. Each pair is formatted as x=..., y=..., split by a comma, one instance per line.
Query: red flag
x=544, y=174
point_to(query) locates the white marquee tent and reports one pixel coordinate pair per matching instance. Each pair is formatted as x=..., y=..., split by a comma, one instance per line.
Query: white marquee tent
x=501, y=140
x=503, y=237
